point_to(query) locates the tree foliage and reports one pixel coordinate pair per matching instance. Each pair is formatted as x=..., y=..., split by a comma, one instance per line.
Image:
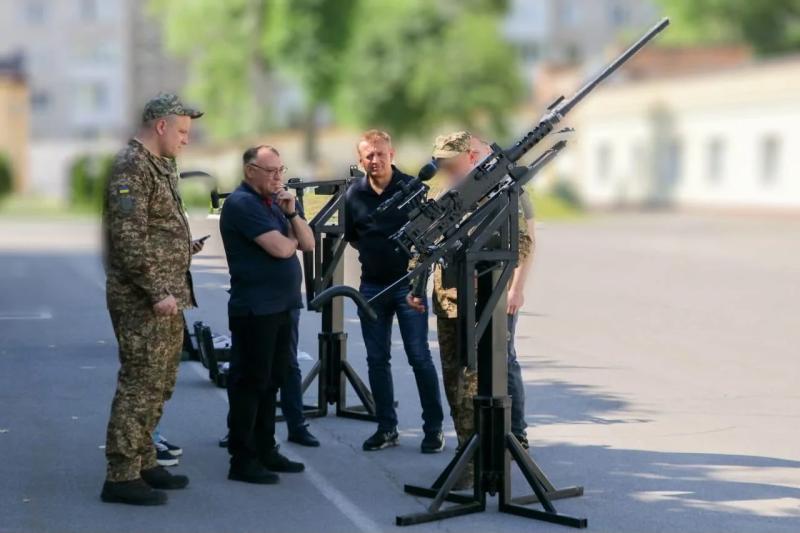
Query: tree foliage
x=404, y=65
x=417, y=64
x=770, y=26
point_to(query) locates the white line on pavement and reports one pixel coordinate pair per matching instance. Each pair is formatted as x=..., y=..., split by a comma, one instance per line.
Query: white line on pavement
x=43, y=315
x=320, y=482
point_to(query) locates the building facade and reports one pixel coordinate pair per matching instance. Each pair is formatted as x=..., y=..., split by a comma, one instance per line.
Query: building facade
x=572, y=31
x=727, y=138
x=90, y=64
x=14, y=119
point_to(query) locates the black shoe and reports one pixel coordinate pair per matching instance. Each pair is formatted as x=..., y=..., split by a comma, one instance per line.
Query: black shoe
x=303, y=437
x=223, y=442
x=432, y=443
x=159, y=478
x=134, y=492
x=380, y=440
x=252, y=472
x=164, y=457
x=276, y=462
x=523, y=440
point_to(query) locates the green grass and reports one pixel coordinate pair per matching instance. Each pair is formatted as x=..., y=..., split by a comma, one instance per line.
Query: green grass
x=24, y=206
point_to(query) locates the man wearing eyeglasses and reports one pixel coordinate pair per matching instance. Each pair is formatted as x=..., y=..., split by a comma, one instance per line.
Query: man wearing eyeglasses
x=262, y=230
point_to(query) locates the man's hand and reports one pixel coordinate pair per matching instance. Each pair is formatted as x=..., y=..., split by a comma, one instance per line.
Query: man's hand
x=197, y=245
x=515, y=301
x=166, y=307
x=286, y=202
x=417, y=304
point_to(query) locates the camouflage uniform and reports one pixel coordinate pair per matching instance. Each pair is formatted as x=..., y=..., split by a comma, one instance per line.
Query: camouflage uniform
x=148, y=253
x=460, y=382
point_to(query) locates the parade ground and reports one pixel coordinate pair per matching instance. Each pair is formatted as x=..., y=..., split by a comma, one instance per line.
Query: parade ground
x=659, y=351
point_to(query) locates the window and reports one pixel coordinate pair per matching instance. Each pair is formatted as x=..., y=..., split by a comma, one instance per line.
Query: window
x=716, y=161
x=673, y=165
x=604, y=162
x=770, y=159
x=34, y=12
x=88, y=10
x=618, y=15
x=567, y=13
x=40, y=100
x=93, y=97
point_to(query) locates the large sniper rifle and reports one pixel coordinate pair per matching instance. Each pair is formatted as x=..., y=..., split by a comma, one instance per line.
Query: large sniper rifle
x=436, y=226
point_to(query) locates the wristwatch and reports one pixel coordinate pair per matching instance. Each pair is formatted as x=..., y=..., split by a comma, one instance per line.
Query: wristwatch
x=290, y=216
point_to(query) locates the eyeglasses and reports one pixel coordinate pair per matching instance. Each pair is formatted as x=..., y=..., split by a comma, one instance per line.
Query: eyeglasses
x=270, y=170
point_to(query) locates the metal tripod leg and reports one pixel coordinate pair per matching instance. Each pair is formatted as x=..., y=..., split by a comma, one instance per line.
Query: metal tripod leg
x=366, y=411
x=466, y=506
x=534, y=476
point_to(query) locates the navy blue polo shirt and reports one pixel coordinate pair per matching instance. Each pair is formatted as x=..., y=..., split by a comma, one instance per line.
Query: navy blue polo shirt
x=381, y=262
x=260, y=283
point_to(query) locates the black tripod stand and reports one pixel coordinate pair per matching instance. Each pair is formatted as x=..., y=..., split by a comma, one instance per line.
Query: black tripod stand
x=323, y=268
x=489, y=255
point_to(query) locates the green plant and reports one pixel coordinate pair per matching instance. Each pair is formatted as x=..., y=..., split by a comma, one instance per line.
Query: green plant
x=6, y=176
x=88, y=177
x=567, y=193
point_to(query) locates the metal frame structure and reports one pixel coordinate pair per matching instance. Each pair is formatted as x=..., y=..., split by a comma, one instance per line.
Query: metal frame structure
x=324, y=268
x=489, y=255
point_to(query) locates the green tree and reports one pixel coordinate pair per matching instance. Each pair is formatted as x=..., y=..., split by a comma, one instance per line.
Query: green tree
x=417, y=64
x=405, y=65
x=771, y=26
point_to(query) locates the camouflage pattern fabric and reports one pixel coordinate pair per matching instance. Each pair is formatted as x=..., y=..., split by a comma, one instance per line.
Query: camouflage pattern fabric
x=149, y=353
x=445, y=298
x=148, y=254
x=452, y=145
x=460, y=383
x=147, y=237
x=166, y=104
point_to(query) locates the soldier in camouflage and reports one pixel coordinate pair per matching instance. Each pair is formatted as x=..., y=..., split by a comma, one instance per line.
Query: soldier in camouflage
x=456, y=154
x=148, y=251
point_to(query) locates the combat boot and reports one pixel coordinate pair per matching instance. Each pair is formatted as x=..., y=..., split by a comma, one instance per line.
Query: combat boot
x=159, y=478
x=133, y=492
x=251, y=471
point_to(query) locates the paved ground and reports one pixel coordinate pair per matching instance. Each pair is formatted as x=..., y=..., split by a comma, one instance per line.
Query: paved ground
x=659, y=352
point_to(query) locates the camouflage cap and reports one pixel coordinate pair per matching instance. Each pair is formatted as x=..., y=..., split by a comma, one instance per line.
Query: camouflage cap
x=449, y=146
x=167, y=104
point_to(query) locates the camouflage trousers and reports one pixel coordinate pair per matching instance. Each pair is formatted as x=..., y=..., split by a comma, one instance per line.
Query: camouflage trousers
x=460, y=383
x=149, y=353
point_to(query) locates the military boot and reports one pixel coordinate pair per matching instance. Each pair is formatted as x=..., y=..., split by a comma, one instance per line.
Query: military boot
x=159, y=478
x=133, y=492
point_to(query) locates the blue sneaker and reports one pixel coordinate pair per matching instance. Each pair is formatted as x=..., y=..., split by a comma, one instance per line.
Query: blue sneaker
x=175, y=451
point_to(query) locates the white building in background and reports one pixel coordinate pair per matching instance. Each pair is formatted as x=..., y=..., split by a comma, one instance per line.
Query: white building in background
x=572, y=31
x=728, y=139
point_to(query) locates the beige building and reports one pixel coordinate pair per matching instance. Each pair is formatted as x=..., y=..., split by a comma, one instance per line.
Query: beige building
x=14, y=119
x=720, y=138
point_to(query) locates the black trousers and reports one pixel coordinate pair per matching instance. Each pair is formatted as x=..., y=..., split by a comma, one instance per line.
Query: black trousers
x=260, y=351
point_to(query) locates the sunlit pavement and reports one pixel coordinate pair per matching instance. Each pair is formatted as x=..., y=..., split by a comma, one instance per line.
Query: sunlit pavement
x=660, y=354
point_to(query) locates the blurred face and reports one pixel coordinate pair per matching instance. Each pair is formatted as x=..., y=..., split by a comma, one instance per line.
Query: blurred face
x=376, y=158
x=172, y=133
x=456, y=168
x=265, y=174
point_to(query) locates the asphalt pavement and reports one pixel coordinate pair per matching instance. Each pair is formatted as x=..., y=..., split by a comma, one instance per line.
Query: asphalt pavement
x=660, y=355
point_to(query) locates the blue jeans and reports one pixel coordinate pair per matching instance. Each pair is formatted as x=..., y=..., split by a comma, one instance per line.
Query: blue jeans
x=292, y=388
x=378, y=340
x=516, y=388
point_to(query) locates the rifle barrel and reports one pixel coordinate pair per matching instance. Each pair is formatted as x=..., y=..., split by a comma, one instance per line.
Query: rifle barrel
x=613, y=67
